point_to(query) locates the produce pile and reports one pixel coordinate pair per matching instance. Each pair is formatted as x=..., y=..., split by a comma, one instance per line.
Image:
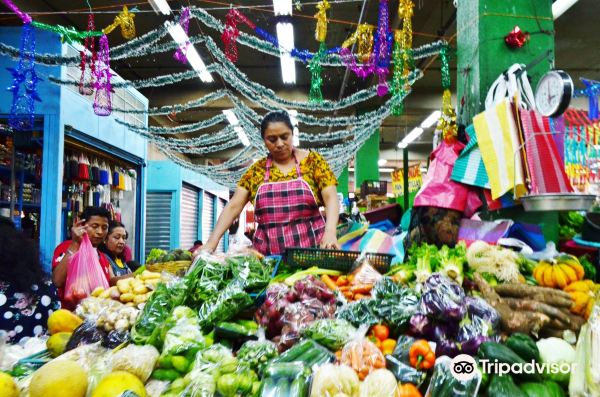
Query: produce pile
x=232, y=327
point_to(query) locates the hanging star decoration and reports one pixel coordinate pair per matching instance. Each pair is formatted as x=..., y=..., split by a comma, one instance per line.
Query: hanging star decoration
x=447, y=121
x=184, y=21
x=24, y=85
x=88, y=68
x=125, y=21
x=102, y=99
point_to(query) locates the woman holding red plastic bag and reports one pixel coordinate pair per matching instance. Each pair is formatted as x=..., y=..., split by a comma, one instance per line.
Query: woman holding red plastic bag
x=94, y=224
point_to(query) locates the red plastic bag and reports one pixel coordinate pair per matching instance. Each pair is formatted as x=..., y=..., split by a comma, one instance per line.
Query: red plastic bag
x=84, y=273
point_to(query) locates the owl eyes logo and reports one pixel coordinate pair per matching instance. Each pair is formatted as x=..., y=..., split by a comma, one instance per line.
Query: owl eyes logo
x=463, y=367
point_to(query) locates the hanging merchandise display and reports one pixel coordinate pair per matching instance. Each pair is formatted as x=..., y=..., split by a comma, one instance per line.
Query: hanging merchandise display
x=582, y=151
x=103, y=97
x=94, y=178
x=24, y=84
x=88, y=61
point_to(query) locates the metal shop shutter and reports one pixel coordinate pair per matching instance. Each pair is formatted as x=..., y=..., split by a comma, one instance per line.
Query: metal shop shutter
x=158, y=221
x=220, y=205
x=207, y=215
x=188, y=226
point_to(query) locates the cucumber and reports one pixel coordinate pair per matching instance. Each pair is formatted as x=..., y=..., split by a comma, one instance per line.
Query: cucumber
x=299, y=387
x=269, y=388
x=284, y=370
x=295, y=352
x=310, y=356
x=283, y=387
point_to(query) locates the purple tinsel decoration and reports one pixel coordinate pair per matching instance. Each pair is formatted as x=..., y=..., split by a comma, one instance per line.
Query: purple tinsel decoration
x=24, y=83
x=184, y=20
x=102, y=100
x=379, y=60
x=23, y=15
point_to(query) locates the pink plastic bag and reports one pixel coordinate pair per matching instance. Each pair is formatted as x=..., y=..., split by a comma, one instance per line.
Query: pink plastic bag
x=84, y=273
x=439, y=190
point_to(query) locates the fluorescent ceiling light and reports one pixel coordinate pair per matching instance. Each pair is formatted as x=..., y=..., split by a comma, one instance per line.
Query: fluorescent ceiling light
x=412, y=135
x=560, y=6
x=296, y=137
x=285, y=38
x=431, y=119
x=181, y=38
x=388, y=170
x=242, y=135
x=381, y=162
x=231, y=117
x=282, y=7
x=160, y=6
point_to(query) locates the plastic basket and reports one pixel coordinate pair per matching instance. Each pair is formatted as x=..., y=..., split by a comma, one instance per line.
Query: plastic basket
x=378, y=188
x=334, y=259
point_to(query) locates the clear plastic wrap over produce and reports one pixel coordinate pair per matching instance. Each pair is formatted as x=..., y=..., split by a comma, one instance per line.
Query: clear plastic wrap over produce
x=403, y=372
x=442, y=298
x=362, y=355
x=182, y=332
x=287, y=310
x=107, y=314
x=285, y=379
x=256, y=353
x=379, y=383
x=332, y=333
x=365, y=273
x=154, y=388
x=87, y=333
x=443, y=382
x=335, y=380
x=10, y=354
x=232, y=300
x=156, y=310
x=138, y=360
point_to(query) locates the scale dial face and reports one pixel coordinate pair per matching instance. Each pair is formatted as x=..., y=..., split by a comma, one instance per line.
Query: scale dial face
x=553, y=93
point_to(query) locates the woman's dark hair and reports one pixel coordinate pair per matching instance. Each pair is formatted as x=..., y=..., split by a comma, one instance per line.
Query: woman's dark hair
x=112, y=225
x=278, y=116
x=19, y=257
x=88, y=212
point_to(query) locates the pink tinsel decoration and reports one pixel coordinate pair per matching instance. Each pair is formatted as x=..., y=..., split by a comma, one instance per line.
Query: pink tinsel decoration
x=102, y=100
x=86, y=81
x=231, y=33
x=184, y=21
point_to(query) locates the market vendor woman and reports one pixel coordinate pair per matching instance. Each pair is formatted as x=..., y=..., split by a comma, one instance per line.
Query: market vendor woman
x=287, y=189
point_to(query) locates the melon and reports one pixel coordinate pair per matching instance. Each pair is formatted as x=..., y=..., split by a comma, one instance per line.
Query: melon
x=59, y=378
x=118, y=382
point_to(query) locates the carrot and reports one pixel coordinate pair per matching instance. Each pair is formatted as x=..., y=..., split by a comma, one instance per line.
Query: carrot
x=345, y=288
x=359, y=296
x=329, y=282
x=350, y=278
x=341, y=281
x=348, y=295
x=354, y=357
x=361, y=288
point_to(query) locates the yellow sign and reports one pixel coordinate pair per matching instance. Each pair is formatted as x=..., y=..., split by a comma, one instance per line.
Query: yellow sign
x=415, y=180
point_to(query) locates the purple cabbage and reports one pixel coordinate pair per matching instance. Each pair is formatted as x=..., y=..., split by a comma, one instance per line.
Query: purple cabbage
x=443, y=298
x=478, y=307
x=421, y=325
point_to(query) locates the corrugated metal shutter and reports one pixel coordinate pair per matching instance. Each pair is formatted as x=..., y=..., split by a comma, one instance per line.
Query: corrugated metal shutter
x=207, y=215
x=188, y=229
x=158, y=221
x=220, y=206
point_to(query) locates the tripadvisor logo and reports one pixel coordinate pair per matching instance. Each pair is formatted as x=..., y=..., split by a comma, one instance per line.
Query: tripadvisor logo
x=464, y=367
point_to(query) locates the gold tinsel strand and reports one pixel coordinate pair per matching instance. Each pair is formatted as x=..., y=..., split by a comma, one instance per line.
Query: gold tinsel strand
x=447, y=122
x=363, y=37
x=405, y=9
x=321, y=15
x=125, y=21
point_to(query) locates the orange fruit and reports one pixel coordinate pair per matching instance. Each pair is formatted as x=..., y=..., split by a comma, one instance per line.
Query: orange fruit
x=380, y=331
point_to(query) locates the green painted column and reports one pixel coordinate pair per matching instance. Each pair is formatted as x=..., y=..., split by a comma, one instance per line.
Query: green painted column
x=365, y=163
x=483, y=55
x=343, y=182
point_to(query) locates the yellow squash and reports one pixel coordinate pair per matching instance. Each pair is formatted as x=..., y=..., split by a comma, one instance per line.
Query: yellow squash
x=558, y=272
x=584, y=295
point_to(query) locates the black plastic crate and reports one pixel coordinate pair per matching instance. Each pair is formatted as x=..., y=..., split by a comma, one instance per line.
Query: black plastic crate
x=334, y=259
x=378, y=188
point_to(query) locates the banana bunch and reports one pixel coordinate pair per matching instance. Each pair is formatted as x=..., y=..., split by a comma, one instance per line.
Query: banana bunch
x=558, y=272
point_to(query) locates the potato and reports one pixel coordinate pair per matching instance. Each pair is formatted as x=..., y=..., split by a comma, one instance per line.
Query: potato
x=97, y=291
x=124, y=286
x=105, y=294
x=114, y=293
x=139, y=299
x=127, y=297
x=140, y=289
x=148, y=275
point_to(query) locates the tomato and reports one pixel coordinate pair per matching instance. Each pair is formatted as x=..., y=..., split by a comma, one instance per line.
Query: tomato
x=380, y=331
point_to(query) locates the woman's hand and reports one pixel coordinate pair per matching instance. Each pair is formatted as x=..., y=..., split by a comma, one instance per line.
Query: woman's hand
x=329, y=241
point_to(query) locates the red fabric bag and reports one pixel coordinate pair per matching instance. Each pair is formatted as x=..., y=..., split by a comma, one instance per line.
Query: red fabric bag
x=84, y=273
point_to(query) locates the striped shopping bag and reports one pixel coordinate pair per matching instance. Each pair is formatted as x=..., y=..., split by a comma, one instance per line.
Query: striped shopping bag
x=498, y=139
x=469, y=168
x=546, y=167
